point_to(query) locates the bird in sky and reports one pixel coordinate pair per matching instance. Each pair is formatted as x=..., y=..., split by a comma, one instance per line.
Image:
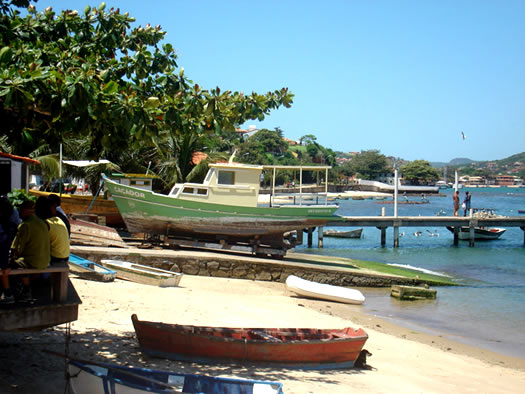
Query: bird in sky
x=463, y=135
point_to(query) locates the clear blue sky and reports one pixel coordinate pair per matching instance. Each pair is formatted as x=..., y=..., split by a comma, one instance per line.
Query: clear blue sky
x=404, y=77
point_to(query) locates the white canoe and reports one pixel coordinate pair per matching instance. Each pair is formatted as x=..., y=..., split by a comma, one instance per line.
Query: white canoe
x=323, y=291
x=143, y=274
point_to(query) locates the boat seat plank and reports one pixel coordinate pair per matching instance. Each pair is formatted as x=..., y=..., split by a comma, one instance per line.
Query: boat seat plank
x=59, y=277
x=263, y=335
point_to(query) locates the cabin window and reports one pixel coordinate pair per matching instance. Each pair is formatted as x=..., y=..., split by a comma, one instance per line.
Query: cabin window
x=188, y=190
x=202, y=192
x=226, y=178
x=144, y=183
x=208, y=176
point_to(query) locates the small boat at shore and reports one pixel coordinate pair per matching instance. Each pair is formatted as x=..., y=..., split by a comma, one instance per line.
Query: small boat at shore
x=306, y=348
x=323, y=291
x=343, y=234
x=480, y=233
x=101, y=378
x=87, y=269
x=143, y=274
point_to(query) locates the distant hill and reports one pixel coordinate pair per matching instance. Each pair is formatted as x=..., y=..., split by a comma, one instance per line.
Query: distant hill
x=453, y=162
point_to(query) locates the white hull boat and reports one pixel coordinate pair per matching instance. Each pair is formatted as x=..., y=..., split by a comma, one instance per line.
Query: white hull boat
x=323, y=291
x=479, y=233
x=95, y=378
x=143, y=274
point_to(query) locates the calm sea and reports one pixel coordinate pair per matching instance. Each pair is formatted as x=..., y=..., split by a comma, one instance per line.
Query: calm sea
x=489, y=310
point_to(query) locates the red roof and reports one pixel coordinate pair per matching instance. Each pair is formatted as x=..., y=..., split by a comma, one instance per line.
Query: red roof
x=19, y=158
x=196, y=157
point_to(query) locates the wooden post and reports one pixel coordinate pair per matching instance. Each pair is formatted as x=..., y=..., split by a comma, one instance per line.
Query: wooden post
x=310, y=235
x=456, y=236
x=396, y=236
x=320, y=237
x=383, y=236
x=471, y=236
x=523, y=229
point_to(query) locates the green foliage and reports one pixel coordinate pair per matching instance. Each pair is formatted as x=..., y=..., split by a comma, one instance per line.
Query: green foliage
x=89, y=76
x=368, y=164
x=18, y=196
x=419, y=172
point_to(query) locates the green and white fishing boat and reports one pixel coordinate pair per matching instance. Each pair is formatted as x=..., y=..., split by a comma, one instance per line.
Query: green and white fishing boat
x=224, y=209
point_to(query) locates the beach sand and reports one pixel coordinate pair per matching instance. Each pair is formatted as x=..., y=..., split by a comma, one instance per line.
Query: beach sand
x=403, y=361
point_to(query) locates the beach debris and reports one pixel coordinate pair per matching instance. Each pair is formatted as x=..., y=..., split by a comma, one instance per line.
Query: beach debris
x=412, y=293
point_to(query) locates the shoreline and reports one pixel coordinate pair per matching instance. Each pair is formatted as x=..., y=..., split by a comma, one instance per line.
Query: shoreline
x=402, y=358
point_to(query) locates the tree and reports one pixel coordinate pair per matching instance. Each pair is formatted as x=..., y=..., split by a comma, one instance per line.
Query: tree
x=419, y=172
x=369, y=164
x=91, y=76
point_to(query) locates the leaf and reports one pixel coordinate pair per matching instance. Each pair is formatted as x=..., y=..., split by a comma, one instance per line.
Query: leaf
x=152, y=102
x=111, y=87
x=6, y=53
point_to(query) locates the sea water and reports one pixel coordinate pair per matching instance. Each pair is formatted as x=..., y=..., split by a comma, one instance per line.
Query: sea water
x=488, y=310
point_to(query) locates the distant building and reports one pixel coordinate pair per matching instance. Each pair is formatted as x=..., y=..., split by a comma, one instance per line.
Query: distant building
x=506, y=180
x=14, y=172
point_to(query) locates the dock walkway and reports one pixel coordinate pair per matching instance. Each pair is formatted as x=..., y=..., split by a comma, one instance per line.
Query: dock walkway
x=383, y=222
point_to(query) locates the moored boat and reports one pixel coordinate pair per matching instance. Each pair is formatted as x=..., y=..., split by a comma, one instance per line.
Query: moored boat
x=223, y=209
x=86, y=377
x=143, y=274
x=480, y=233
x=307, y=348
x=323, y=291
x=343, y=234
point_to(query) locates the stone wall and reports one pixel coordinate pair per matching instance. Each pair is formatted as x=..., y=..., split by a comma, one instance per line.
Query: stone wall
x=226, y=266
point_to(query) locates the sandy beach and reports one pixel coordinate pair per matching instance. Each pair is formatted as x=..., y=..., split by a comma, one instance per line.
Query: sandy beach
x=403, y=360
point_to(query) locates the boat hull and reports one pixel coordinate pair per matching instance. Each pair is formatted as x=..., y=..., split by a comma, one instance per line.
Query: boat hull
x=323, y=291
x=101, y=378
x=285, y=347
x=343, y=234
x=149, y=212
x=143, y=274
x=479, y=233
x=80, y=204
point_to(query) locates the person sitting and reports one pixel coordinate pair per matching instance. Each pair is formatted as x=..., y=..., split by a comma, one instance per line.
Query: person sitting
x=31, y=246
x=58, y=233
x=9, y=222
x=55, y=202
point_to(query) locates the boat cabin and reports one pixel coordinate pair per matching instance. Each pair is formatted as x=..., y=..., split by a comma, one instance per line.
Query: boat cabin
x=235, y=184
x=225, y=183
x=141, y=181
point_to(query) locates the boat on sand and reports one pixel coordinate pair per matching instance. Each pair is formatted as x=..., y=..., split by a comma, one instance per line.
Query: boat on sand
x=306, y=348
x=87, y=269
x=143, y=274
x=85, y=377
x=322, y=291
x=223, y=209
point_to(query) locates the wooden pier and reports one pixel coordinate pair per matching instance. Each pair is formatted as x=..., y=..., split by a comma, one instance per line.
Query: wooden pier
x=383, y=222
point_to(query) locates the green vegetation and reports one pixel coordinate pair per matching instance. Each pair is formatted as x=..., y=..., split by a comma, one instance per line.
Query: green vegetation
x=419, y=172
x=373, y=268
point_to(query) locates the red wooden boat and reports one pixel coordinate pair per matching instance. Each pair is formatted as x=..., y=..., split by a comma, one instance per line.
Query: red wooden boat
x=307, y=348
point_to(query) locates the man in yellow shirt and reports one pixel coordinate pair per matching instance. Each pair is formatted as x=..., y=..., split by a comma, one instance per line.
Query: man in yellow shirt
x=31, y=246
x=58, y=237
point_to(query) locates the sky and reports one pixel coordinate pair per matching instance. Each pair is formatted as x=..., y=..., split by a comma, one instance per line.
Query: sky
x=403, y=77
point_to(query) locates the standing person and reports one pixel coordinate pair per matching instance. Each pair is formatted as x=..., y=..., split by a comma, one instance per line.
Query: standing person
x=9, y=222
x=31, y=246
x=55, y=202
x=455, y=198
x=466, y=201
